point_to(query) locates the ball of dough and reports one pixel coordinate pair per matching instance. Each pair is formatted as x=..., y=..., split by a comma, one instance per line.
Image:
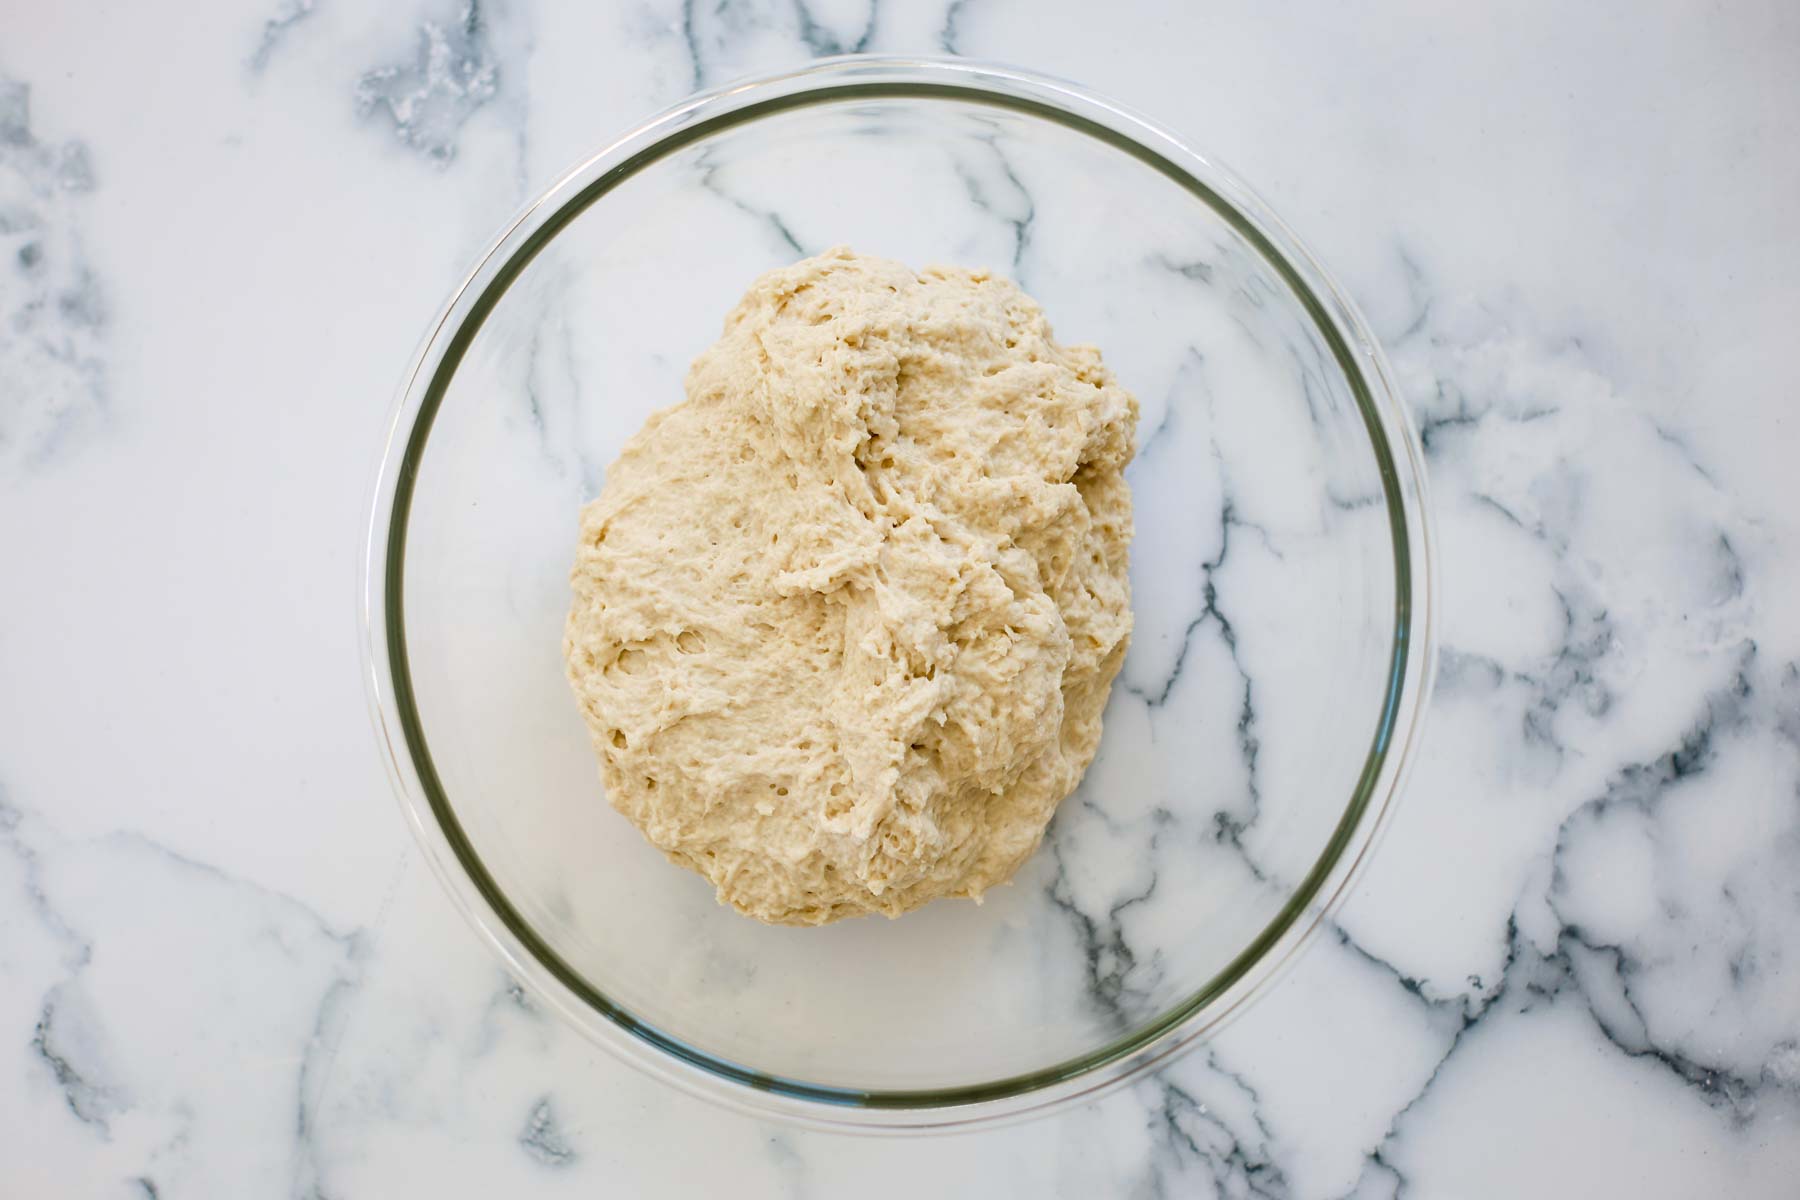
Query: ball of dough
x=845, y=620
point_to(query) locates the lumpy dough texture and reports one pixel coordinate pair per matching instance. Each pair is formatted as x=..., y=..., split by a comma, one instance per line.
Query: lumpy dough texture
x=845, y=620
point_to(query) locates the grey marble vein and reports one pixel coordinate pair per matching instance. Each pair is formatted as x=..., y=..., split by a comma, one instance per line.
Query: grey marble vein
x=514, y=994
x=543, y=1139
x=1190, y=1137
x=92, y=1101
x=1230, y=827
x=1787, y=705
x=1575, y=966
x=53, y=309
x=1189, y=374
x=317, y=1064
x=709, y=177
x=1602, y=974
x=275, y=30
x=504, y=1008
x=950, y=33
x=1682, y=447
x=691, y=42
x=1118, y=982
x=1195, y=270
x=1572, y=677
x=1453, y=412
x=823, y=42
x=1418, y=296
x=77, y=951
x=1728, y=569
x=1378, y=1167
x=319, y=1055
x=1002, y=195
x=716, y=36
x=454, y=73
x=1462, y=671
x=552, y=399
x=1409, y=984
x=74, y=1038
x=712, y=32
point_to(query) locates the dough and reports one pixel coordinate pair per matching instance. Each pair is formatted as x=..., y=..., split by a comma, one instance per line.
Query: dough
x=846, y=619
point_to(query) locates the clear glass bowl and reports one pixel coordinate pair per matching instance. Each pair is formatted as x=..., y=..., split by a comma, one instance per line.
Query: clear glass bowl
x=1256, y=736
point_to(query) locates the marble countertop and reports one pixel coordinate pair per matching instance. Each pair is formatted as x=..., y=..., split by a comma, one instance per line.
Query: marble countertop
x=1575, y=966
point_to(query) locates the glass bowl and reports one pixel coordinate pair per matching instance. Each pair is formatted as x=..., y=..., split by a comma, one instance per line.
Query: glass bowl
x=1256, y=735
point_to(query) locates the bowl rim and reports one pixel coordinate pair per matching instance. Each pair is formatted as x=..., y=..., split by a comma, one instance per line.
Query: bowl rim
x=427, y=807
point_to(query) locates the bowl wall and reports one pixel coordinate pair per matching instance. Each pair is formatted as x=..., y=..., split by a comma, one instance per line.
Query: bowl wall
x=1248, y=736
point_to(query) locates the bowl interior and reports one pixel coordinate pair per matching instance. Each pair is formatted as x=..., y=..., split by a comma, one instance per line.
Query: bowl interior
x=1264, y=577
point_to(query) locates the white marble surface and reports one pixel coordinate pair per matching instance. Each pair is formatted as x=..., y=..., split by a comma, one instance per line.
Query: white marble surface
x=1575, y=968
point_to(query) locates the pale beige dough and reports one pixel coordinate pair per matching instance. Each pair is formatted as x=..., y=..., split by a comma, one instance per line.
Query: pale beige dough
x=845, y=620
